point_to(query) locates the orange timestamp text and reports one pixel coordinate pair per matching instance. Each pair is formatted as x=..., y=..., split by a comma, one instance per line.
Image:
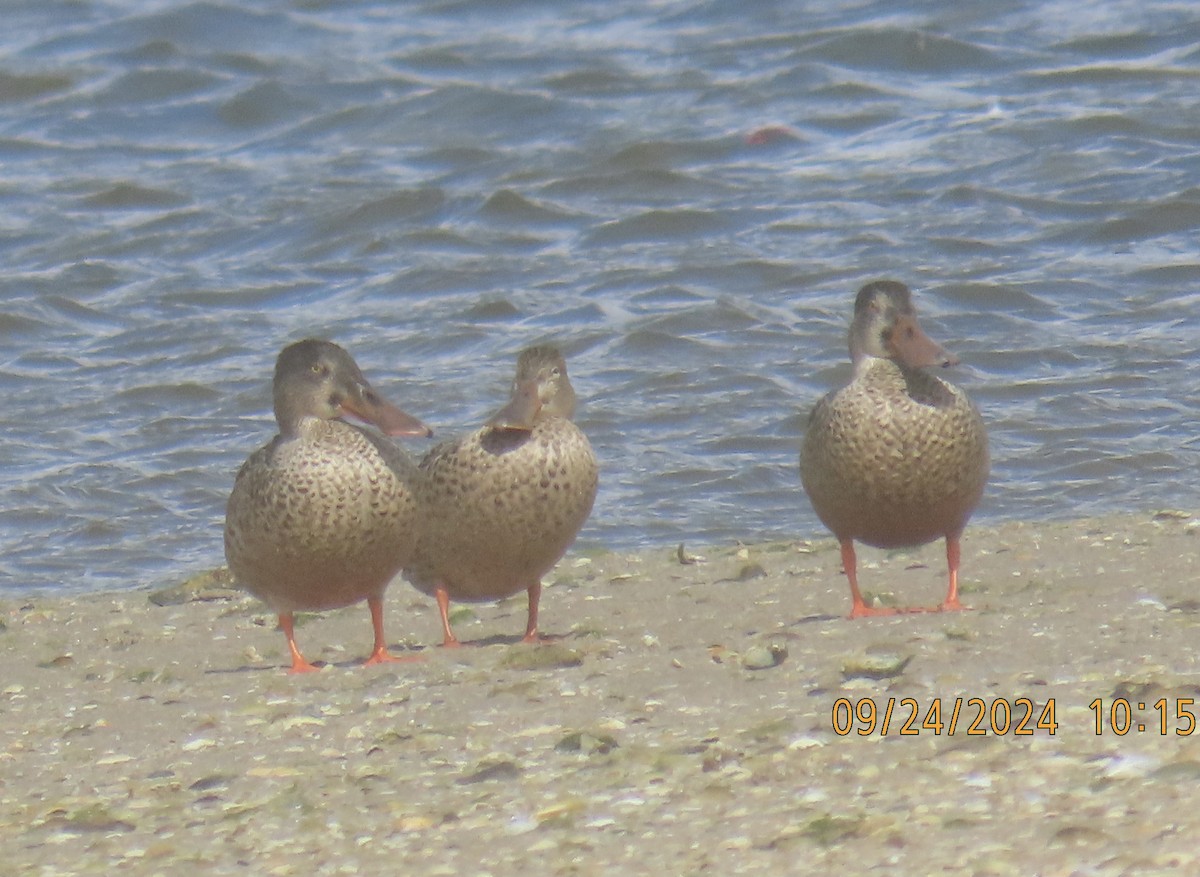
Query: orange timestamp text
x=973, y=716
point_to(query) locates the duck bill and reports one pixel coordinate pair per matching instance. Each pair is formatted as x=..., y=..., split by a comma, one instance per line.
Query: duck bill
x=914, y=348
x=521, y=409
x=368, y=405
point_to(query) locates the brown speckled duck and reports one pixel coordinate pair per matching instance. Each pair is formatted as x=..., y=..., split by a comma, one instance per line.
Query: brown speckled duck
x=897, y=457
x=501, y=506
x=324, y=515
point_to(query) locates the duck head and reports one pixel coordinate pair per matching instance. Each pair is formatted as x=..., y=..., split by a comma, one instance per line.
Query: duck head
x=319, y=379
x=885, y=326
x=541, y=389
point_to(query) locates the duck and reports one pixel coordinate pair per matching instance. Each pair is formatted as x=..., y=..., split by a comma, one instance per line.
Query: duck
x=898, y=457
x=501, y=505
x=324, y=515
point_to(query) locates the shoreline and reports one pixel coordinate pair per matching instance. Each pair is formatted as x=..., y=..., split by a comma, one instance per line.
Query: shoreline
x=684, y=721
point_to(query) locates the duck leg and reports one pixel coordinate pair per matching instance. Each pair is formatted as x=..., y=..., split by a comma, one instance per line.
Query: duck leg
x=449, y=640
x=953, y=555
x=287, y=624
x=859, y=608
x=531, y=626
x=380, y=653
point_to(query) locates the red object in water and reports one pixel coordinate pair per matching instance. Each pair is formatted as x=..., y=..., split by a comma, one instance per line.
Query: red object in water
x=770, y=134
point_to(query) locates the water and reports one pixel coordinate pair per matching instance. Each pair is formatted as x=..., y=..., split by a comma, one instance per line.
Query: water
x=186, y=187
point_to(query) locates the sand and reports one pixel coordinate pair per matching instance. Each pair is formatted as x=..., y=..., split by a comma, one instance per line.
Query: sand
x=683, y=724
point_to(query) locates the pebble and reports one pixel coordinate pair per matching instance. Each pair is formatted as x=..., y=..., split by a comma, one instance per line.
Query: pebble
x=586, y=743
x=760, y=657
x=544, y=656
x=875, y=666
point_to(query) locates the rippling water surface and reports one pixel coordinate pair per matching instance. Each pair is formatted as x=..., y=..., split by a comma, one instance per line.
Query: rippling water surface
x=185, y=187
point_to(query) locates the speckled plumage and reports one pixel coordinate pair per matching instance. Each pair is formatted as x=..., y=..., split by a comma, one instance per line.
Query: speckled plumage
x=323, y=519
x=325, y=514
x=898, y=457
x=500, y=506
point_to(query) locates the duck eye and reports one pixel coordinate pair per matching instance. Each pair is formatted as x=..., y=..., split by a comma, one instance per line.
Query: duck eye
x=317, y=369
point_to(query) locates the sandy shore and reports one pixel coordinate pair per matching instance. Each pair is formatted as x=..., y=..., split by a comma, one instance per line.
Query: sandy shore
x=155, y=738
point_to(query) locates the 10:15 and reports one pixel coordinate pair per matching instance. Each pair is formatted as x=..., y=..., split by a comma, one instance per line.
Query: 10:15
x=1122, y=719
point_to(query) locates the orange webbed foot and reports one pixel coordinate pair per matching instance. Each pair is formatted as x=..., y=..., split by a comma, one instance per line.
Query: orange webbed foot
x=862, y=610
x=383, y=656
x=299, y=665
x=865, y=611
